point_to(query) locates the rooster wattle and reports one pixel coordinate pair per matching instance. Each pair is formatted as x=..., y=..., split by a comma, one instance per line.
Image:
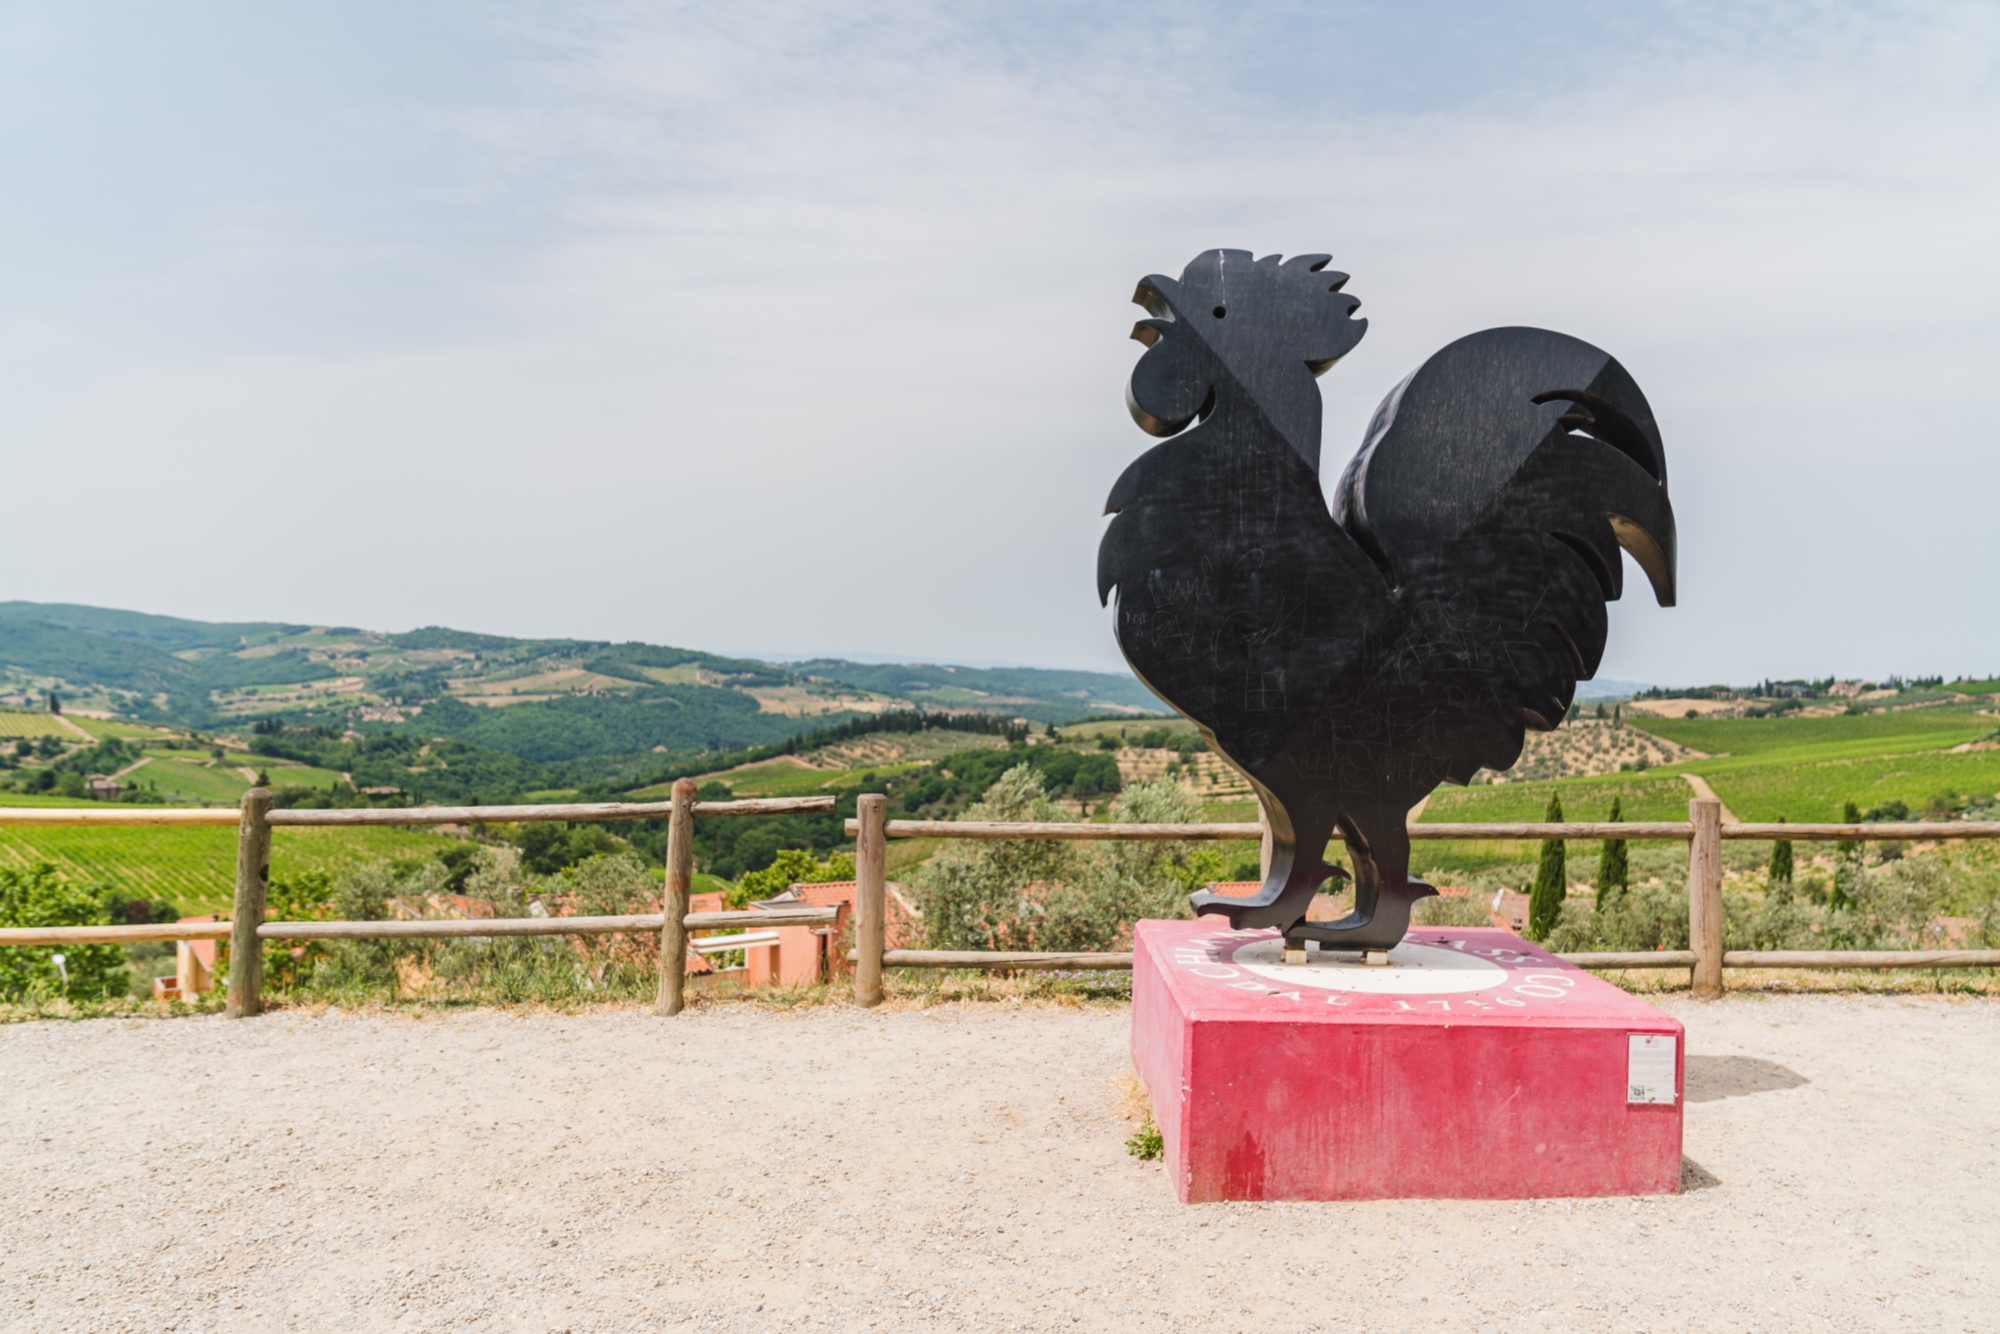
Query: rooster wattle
x=1349, y=659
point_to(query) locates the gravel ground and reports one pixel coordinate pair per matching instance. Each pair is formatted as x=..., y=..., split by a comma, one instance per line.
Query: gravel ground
x=959, y=1167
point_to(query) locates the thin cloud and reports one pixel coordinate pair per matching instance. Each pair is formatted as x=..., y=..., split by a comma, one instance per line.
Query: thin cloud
x=803, y=327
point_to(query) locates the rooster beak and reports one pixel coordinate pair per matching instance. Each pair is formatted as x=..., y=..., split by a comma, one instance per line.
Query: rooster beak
x=1655, y=560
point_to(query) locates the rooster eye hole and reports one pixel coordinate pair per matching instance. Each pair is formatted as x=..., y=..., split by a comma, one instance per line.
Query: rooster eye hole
x=1220, y=311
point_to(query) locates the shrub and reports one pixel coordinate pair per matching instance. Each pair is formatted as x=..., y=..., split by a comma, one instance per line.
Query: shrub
x=37, y=896
x=1119, y=883
x=505, y=970
x=1041, y=894
x=1646, y=917
x=1452, y=910
x=790, y=867
x=982, y=895
x=305, y=897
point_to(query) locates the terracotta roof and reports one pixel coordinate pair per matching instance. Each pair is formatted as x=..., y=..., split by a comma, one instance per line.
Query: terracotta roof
x=901, y=928
x=1234, y=889
x=450, y=906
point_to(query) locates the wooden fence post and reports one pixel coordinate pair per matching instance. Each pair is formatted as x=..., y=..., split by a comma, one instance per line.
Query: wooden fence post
x=870, y=897
x=1263, y=841
x=253, y=881
x=674, y=902
x=1705, y=895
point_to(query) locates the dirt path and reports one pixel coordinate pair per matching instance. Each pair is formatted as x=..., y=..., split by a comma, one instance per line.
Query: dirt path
x=958, y=1168
x=1702, y=789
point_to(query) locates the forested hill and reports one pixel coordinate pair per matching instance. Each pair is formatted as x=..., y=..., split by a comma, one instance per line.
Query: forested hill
x=548, y=702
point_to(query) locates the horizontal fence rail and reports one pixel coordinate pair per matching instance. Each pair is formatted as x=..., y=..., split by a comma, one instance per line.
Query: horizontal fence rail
x=1032, y=959
x=1633, y=959
x=117, y=814
x=1634, y=830
x=1913, y=831
x=448, y=928
x=1861, y=958
x=254, y=821
x=113, y=935
x=587, y=811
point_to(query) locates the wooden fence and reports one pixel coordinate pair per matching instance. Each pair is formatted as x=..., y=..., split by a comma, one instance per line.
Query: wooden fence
x=1703, y=831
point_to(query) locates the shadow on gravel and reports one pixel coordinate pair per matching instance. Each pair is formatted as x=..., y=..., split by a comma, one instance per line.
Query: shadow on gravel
x=1713, y=1078
x=1696, y=1177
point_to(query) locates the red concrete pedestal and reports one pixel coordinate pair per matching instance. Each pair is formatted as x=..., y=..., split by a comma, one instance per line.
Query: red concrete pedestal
x=1473, y=1066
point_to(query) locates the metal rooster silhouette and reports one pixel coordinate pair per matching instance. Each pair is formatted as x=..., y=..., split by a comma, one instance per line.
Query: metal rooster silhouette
x=1348, y=661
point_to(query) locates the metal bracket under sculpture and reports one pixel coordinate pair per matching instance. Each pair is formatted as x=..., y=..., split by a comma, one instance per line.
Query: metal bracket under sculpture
x=1349, y=659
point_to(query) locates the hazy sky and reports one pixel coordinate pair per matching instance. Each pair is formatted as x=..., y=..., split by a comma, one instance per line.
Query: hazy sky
x=802, y=328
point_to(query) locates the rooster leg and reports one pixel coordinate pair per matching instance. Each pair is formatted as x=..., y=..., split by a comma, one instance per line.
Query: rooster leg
x=1378, y=842
x=1288, y=888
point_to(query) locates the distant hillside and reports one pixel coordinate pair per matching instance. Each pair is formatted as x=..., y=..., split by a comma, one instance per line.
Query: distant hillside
x=998, y=688
x=556, y=701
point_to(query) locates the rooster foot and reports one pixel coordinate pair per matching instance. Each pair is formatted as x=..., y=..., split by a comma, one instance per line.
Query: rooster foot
x=1380, y=927
x=1273, y=903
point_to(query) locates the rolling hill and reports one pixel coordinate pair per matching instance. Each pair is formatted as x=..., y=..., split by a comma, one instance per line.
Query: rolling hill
x=545, y=702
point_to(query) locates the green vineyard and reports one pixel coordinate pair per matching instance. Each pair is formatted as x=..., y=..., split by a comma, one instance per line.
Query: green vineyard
x=26, y=723
x=196, y=868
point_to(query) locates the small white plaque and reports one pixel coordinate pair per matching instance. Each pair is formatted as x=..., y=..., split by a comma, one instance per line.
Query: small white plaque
x=1649, y=1068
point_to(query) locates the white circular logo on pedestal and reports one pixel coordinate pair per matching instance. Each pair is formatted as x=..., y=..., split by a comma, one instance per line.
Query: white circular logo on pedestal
x=1412, y=970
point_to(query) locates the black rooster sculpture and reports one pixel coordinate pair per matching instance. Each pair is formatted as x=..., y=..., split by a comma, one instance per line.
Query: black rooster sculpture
x=1349, y=661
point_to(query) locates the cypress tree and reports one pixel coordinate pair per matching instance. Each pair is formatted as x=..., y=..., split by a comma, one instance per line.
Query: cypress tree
x=1551, y=879
x=1611, y=870
x=1846, y=863
x=1779, y=885
x=1849, y=849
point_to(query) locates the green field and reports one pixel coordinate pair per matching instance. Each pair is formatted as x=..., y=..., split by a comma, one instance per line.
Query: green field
x=1819, y=790
x=1807, y=769
x=196, y=868
x=785, y=780
x=1976, y=687
x=182, y=781
x=24, y=722
x=1839, y=737
x=1651, y=796
x=778, y=778
x=296, y=775
x=103, y=729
